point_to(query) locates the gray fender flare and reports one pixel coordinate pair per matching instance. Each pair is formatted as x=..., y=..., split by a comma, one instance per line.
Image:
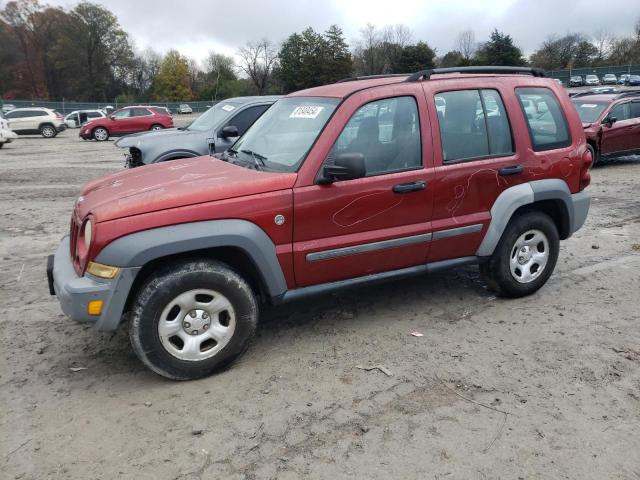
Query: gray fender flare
x=139, y=248
x=524, y=194
x=170, y=155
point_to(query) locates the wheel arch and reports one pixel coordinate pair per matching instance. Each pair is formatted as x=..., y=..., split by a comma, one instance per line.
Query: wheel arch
x=175, y=155
x=242, y=245
x=551, y=196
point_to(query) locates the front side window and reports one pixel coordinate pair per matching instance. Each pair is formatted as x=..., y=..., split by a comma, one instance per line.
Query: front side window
x=387, y=134
x=547, y=124
x=122, y=113
x=621, y=112
x=245, y=118
x=473, y=125
x=284, y=134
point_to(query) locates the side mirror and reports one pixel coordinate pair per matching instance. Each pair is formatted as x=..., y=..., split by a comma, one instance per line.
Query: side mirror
x=112, y=117
x=347, y=166
x=229, y=131
x=609, y=121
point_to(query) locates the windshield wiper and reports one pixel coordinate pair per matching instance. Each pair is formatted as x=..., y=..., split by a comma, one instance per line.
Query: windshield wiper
x=258, y=159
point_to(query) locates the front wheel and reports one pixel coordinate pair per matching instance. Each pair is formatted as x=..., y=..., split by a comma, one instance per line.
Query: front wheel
x=524, y=257
x=594, y=155
x=101, y=134
x=192, y=318
x=47, y=131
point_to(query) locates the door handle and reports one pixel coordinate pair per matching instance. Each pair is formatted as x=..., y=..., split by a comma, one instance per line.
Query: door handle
x=410, y=187
x=511, y=170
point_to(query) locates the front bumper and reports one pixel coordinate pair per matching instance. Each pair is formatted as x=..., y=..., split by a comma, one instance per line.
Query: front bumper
x=74, y=292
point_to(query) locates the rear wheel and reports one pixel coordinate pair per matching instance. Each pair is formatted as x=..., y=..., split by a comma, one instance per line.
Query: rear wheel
x=524, y=257
x=101, y=134
x=48, y=131
x=192, y=318
x=156, y=127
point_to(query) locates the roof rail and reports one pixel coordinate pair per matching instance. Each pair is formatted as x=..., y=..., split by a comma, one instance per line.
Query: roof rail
x=628, y=93
x=426, y=74
x=369, y=77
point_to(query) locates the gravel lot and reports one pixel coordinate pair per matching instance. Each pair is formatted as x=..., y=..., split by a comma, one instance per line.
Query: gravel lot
x=542, y=387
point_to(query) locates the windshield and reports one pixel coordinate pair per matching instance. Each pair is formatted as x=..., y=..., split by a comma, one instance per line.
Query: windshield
x=283, y=135
x=589, y=111
x=212, y=117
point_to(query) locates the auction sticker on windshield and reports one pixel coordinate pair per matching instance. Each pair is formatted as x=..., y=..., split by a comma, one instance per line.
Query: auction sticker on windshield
x=306, y=111
x=228, y=108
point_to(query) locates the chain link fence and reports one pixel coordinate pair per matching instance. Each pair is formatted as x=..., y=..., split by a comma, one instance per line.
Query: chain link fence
x=617, y=70
x=67, y=107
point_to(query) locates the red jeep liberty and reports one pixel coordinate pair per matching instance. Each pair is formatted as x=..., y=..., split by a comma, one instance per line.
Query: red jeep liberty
x=337, y=186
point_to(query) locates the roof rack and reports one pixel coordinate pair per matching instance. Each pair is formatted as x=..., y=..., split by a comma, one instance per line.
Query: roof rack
x=369, y=77
x=426, y=74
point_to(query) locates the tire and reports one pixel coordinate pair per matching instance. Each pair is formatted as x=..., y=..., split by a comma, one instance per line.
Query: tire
x=173, y=340
x=156, y=126
x=513, y=272
x=48, y=131
x=594, y=154
x=101, y=134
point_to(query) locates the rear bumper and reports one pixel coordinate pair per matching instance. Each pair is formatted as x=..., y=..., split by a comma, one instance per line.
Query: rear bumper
x=581, y=202
x=61, y=127
x=75, y=292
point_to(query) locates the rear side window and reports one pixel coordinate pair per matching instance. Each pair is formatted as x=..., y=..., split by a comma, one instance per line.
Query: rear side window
x=140, y=112
x=473, y=125
x=546, y=121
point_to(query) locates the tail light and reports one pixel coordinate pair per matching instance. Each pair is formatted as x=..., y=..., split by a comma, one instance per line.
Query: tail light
x=585, y=173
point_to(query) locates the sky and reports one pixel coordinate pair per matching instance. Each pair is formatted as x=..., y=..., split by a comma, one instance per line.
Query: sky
x=196, y=27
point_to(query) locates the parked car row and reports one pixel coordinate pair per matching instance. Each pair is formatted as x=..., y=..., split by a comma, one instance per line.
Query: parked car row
x=607, y=79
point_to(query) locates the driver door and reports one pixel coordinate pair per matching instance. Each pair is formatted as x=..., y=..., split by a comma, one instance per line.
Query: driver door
x=382, y=221
x=618, y=137
x=120, y=121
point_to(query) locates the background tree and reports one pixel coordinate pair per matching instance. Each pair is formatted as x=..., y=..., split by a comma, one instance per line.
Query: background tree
x=499, y=50
x=93, y=53
x=466, y=44
x=414, y=58
x=221, y=79
x=258, y=61
x=173, y=81
x=309, y=59
x=451, y=59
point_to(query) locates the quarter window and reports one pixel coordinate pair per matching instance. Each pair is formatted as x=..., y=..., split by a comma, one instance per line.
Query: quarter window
x=547, y=124
x=473, y=124
x=386, y=132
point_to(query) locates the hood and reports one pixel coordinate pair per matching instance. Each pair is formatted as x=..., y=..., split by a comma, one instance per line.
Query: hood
x=173, y=184
x=136, y=139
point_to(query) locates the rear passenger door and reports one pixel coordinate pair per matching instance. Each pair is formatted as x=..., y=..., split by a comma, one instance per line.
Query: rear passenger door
x=475, y=160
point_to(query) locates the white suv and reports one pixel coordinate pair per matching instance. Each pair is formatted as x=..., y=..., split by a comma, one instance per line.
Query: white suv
x=6, y=135
x=27, y=121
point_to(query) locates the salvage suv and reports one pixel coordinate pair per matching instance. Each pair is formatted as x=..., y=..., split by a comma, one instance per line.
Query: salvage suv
x=337, y=186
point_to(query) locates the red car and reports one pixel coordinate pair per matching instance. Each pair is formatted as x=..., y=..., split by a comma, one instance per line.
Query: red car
x=333, y=187
x=125, y=121
x=611, y=123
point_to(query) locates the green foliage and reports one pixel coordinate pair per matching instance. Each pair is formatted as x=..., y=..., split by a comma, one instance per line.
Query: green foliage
x=309, y=59
x=414, y=58
x=172, y=82
x=499, y=50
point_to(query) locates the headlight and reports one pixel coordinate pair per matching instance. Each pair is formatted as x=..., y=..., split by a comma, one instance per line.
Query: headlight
x=86, y=235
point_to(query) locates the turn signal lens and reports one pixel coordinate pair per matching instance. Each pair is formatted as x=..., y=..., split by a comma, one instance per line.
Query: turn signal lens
x=95, y=307
x=102, y=271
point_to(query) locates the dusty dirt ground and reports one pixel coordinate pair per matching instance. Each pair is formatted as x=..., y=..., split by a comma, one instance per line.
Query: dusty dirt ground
x=543, y=387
